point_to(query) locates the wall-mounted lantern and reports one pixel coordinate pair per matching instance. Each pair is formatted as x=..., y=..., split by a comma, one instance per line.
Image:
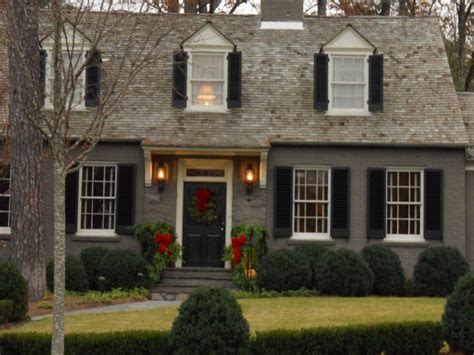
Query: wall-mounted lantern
x=249, y=179
x=161, y=177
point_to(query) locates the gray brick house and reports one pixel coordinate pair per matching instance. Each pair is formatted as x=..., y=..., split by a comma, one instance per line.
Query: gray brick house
x=350, y=127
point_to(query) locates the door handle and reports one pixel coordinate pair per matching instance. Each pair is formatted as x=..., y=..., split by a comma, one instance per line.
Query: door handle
x=222, y=229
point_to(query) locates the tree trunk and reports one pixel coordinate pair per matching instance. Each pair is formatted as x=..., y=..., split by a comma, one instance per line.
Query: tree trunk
x=385, y=8
x=322, y=4
x=402, y=7
x=462, y=18
x=59, y=182
x=26, y=144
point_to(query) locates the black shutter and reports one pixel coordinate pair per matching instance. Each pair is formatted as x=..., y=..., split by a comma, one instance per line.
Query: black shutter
x=42, y=90
x=72, y=191
x=93, y=79
x=340, y=207
x=283, y=217
x=321, y=82
x=376, y=82
x=433, y=204
x=376, y=204
x=125, y=198
x=234, y=83
x=180, y=69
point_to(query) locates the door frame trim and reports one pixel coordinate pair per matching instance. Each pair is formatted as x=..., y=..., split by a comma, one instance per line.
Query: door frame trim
x=183, y=164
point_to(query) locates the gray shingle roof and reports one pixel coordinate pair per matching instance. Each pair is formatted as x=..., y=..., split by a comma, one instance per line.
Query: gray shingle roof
x=421, y=107
x=466, y=103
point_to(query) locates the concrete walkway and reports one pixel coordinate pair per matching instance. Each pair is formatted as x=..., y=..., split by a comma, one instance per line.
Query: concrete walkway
x=125, y=307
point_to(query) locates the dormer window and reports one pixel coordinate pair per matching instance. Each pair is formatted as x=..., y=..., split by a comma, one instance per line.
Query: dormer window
x=348, y=76
x=207, y=73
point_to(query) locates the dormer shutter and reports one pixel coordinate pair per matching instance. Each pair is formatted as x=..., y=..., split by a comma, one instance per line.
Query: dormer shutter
x=376, y=82
x=93, y=79
x=180, y=69
x=234, y=82
x=42, y=89
x=321, y=82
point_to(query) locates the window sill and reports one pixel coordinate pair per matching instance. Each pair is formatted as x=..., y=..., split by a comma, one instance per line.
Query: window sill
x=95, y=238
x=73, y=108
x=204, y=110
x=348, y=113
x=403, y=242
x=311, y=240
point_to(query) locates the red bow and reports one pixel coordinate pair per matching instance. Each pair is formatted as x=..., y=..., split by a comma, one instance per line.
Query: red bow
x=236, y=245
x=165, y=241
x=203, y=196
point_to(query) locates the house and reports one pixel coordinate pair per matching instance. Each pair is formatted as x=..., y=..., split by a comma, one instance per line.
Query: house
x=341, y=131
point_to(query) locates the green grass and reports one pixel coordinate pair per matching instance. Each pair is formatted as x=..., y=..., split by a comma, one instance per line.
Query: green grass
x=266, y=314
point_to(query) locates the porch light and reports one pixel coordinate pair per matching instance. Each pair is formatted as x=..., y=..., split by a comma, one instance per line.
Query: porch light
x=249, y=178
x=161, y=177
x=206, y=94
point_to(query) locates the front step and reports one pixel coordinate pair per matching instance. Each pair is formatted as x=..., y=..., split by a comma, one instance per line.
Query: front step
x=178, y=283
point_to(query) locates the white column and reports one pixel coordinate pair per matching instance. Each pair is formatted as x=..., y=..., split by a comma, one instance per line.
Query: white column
x=148, y=167
x=263, y=169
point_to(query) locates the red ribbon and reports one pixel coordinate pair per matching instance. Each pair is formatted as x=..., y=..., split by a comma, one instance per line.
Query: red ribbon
x=236, y=245
x=165, y=240
x=203, y=196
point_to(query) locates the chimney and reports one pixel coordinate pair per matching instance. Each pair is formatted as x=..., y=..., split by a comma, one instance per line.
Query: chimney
x=282, y=14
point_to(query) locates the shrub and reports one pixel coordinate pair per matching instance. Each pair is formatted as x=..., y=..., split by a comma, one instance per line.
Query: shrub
x=437, y=270
x=91, y=258
x=313, y=254
x=7, y=307
x=283, y=270
x=458, y=317
x=210, y=321
x=76, y=277
x=122, y=269
x=390, y=339
x=344, y=273
x=389, y=277
x=13, y=287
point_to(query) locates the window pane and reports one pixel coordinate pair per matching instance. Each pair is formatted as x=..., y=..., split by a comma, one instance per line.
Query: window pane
x=348, y=96
x=348, y=69
x=4, y=219
x=207, y=66
x=207, y=93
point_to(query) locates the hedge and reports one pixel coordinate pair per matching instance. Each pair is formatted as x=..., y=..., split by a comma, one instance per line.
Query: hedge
x=7, y=308
x=391, y=338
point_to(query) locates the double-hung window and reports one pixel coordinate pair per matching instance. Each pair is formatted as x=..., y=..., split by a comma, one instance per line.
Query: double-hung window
x=404, y=204
x=97, y=202
x=311, y=202
x=207, y=80
x=5, y=199
x=348, y=83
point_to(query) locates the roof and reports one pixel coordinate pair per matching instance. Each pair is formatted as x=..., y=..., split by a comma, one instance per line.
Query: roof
x=420, y=108
x=466, y=103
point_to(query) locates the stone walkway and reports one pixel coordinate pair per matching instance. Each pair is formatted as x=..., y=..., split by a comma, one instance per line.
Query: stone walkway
x=125, y=307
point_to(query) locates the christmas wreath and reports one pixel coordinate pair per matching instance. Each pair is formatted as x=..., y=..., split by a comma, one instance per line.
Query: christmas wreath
x=203, y=207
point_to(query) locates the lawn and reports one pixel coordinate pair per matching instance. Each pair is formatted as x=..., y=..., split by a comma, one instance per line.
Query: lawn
x=266, y=314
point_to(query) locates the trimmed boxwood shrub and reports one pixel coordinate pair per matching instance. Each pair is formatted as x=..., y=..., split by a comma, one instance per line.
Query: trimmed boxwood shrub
x=122, y=268
x=313, y=254
x=345, y=273
x=7, y=307
x=13, y=287
x=283, y=270
x=210, y=321
x=76, y=277
x=437, y=270
x=458, y=317
x=91, y=258
x=389, y=277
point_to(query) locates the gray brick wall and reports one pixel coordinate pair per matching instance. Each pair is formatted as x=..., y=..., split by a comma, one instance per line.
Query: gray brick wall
x=282, y=10
x=359, y=160
x=470, y=217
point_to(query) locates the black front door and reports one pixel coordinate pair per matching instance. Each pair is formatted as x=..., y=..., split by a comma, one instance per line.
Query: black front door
x=204, y=224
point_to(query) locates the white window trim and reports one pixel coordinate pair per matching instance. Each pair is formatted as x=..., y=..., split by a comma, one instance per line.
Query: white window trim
x=96, y=232
x=348, y=112
x=407, y=238
x=311, y=236
x=8, y=230
x=196, y=108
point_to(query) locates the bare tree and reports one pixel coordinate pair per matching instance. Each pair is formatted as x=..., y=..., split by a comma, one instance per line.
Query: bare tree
x=71, y=136
x=26, y=145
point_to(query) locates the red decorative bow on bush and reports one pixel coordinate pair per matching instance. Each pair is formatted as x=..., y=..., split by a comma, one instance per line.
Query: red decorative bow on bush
x=203, y=196
x=165, y=240
x=236, y=245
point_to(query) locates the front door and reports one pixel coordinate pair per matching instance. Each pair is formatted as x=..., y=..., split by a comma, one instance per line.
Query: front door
x=204, y=224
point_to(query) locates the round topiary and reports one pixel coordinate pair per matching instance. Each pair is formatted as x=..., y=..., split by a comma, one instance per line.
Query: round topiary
x=122, y=269
x=437, y=271
x=313, y=254
x=210, y=321
x=387, y=268
x=283, y=270
x=345, y=273
x=458, y=317
x=91, y=258
x=76, y=277
x=13, y=287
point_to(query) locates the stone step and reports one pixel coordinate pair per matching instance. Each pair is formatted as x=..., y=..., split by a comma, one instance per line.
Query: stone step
x=196, y=282
x=193, y=273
